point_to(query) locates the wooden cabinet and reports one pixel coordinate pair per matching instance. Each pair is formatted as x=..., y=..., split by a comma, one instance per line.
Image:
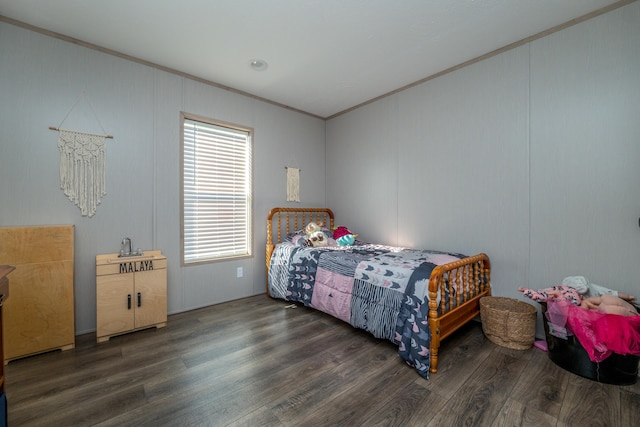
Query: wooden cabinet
x=39, y=316
x=131, y=293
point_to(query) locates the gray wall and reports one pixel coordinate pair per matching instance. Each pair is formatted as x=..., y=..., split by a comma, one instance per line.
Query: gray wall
x=40, y=80
x=532, y=156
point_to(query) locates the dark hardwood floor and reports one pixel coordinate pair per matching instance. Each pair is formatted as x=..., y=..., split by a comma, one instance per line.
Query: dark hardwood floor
x=254, y=362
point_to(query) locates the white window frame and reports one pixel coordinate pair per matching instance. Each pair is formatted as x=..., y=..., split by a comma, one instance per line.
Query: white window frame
x=224, y=185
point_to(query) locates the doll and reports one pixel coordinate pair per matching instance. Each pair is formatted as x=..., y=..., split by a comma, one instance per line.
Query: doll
x=609, y=304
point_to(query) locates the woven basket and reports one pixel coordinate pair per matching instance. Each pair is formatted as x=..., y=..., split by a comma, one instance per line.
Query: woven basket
x=508, y=322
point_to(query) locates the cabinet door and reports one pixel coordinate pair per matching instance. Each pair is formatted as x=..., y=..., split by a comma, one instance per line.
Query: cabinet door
x=150, y=297
x=114, y=313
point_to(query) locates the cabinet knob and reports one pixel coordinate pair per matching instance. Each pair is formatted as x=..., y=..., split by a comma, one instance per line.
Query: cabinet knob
x=129, y=301
x=139, y=299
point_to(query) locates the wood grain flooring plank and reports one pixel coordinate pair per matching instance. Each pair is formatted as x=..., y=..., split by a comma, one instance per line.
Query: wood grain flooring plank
x=264, y=335
x=230, y=368
x=255, y=362
x=84, y=391
x=542, y=384
x=261, y=417
x=479, y=401
x=459, y=355
x=236, y=390
x=589, y=403
x=630, y=408
x=515, y=413
x=353, y=405
x=401, y=404
x=311, y=396
x=116, y=371
x=89, y=408
x=245, y=392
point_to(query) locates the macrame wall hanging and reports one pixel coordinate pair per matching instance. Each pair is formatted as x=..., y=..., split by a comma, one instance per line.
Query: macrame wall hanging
x=293, y=184
x=82, y=165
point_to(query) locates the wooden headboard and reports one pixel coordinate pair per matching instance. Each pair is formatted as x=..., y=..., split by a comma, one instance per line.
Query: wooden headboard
x=288, y=220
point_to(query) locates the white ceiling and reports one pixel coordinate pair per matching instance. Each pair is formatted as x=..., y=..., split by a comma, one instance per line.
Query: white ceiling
x=324, y=56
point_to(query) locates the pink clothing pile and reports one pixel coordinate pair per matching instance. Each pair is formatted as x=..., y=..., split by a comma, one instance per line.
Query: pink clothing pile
x=559, y=292
x=599, y=334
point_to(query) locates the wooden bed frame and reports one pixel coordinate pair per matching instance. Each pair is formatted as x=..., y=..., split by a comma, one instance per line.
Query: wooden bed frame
x=469, y=279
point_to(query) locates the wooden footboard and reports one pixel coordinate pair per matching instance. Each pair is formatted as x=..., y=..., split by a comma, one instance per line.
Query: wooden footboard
x=464, y=282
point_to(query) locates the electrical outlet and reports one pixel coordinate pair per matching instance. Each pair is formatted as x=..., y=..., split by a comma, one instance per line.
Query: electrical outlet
x=239, y=272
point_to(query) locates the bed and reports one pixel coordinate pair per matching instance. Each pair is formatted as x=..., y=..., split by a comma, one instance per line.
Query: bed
x=414, y=298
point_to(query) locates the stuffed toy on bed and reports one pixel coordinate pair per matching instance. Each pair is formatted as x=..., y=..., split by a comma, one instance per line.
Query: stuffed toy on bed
x=314, y=236
x=343, y=236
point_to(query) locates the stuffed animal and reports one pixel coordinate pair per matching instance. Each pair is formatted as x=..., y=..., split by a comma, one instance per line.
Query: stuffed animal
x=343, y=236
x=314, y=235
x=312, y=227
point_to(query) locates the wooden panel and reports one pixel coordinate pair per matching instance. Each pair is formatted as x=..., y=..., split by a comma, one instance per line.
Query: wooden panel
x=39, y=316
x=29, y=245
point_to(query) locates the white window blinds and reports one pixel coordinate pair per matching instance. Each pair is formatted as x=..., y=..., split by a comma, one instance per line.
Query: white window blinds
x=217, y=200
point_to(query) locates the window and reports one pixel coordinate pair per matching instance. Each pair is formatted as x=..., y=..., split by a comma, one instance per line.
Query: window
x=216, y=190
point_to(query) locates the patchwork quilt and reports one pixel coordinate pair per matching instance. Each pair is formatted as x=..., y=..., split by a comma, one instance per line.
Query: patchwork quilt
x=381, y=289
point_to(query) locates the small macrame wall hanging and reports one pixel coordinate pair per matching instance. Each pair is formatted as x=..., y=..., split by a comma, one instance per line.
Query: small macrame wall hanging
x=82, y=166
x=293, y=184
